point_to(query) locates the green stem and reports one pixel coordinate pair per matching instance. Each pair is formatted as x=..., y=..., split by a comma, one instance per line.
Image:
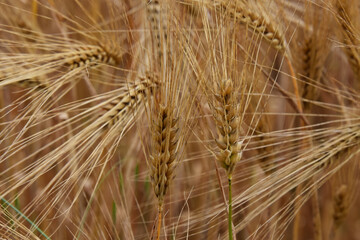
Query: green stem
x=230, y=211
x=33, y=225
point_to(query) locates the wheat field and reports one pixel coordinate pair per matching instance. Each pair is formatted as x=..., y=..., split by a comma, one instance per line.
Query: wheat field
x=188, y=119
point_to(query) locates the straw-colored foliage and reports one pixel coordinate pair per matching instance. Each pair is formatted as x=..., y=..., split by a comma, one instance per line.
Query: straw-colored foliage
x=189, y=119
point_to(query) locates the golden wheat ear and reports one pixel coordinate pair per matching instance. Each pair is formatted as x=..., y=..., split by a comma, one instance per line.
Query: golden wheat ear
x=91, y=56
x=227, y=121
x=129, y=101
x=164, y=158
x=266, y=151
x=348, y=17
x=157, y=17
x=255, y=19
x=168, y=141
x=310, y=55
x=340, y=205
x=36, y=82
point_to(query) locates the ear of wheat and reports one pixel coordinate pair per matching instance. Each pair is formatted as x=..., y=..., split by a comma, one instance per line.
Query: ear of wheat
x=347, y=20
x=312, y=54
x=259, y=23
x=128, y=102
x=91, y=56
x=227, y=126
x=340, y=205
x=35, y=82
x=164, y=159
x=156, y=14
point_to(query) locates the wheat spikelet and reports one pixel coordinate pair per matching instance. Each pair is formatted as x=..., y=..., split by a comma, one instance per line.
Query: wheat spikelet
x=313, y=60
x=341, y=148
x=310, y=56
x=164, y=158
x=88, y=56
x=128, y=102
x=346, y=20
x=32, y=83
x=255, y=20
x=311, y=69
x=340, y=205
x=35, y=82
x=266, y=150
x=227, y=126
x=156, y=16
